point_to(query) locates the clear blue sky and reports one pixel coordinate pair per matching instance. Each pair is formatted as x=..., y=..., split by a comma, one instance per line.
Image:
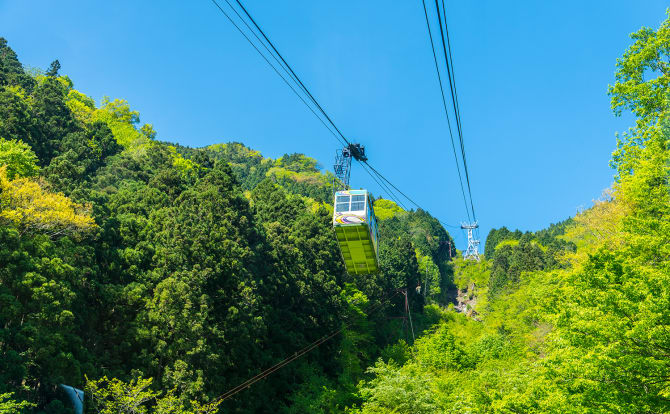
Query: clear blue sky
x=532, y=82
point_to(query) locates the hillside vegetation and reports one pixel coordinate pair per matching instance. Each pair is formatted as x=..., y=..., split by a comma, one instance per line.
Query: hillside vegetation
x=157, y=277
x=571, y=319
x=130, y=266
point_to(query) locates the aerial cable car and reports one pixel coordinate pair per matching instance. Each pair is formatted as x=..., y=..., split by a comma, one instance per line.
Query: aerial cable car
x=354, y=218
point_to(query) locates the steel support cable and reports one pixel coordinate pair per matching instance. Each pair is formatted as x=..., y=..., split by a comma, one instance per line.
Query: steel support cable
x=444, y=104
x=278, y=73
x=385, y=187
x=388, y=191
x=403, y=194
x=286, y=70
x=283, y=64
x=290, y=69
x=395, y=198
x=454, y=97
x=454, y=100
x=460, y=127
x=391, y=184
x=277, y=367
x=447, y=55
x=311, y=97
x=449, y=225
x=248, y=383
x=450, y=62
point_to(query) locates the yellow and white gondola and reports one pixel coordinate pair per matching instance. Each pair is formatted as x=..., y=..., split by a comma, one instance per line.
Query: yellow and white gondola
x=355, y=225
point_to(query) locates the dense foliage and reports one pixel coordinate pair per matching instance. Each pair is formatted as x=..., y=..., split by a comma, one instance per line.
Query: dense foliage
x=158, y=277
x=511, y=253
x=574, y=318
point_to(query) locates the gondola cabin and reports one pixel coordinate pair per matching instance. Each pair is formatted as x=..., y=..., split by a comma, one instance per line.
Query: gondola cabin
x=356, y=228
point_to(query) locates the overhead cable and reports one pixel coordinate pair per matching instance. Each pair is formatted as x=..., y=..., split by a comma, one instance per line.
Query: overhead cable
x=298, y=84
x=444, y=104
x=454, y=96
x=296, y=355
x=385, y=187
x=343, y=142
x=292, y=72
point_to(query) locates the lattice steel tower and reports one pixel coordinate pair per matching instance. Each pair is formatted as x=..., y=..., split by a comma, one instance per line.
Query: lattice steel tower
x=342, y=164
x=342, y=169
x=472, y=252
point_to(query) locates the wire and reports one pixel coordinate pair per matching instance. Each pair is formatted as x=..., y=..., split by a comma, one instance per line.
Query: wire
x=385, y=187
x=248, y=383
x=453, y=72
x=454, y=96
x=292, y=72
x=284, y=65
x=457, y=108
x=403, y=194
x=392, y=185
x=259, y=39
x=444, y=104
x=448, y=225
x=451, y=65
x=277, y=72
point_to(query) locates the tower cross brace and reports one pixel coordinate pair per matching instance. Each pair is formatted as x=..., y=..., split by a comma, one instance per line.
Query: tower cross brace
x=472, y=252
x=342, y=166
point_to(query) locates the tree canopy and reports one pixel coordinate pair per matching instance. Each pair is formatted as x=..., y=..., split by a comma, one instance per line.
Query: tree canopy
x=157, y=277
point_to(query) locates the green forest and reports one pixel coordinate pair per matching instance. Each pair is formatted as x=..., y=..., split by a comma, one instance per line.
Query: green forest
x=157, y=277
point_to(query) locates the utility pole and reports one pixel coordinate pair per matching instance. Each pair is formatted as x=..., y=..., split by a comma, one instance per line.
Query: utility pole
x=472, y=251
x=448, y=243
x=409, y=314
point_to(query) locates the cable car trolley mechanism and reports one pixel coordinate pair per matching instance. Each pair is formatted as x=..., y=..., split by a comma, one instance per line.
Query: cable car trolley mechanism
x=354, y=218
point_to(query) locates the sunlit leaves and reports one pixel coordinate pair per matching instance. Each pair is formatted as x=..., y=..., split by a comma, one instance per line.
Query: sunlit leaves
x=113, y=396
x=386, y=209
x=25, y=203
x=405, y=390
x=8, y=405
x=117, y=115
x=440, y=350
x=18, y=158
x=591, y=335
x=643, y=74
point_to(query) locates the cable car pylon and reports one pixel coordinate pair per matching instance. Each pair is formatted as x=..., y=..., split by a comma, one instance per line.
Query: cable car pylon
x=472, y=252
